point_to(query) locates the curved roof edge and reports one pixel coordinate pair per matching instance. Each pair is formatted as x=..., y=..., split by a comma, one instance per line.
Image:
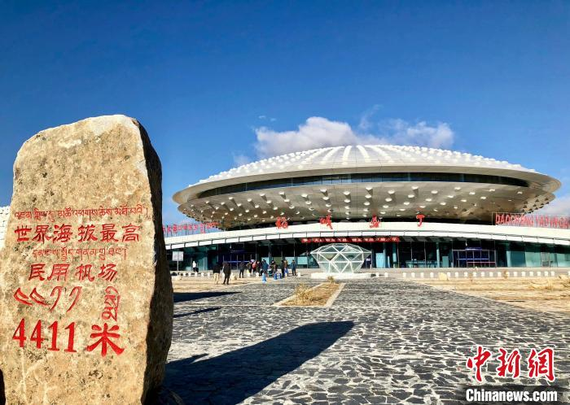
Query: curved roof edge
x=547, y=183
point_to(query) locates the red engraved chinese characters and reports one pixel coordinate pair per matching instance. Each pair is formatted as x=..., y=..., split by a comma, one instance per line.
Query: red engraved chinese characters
x=108, y=272
x=22, y=233
x=86, y=233
x=41, y=234
x=130, y=233
x=37, y=271
x=62, y=233
x=72, y=259
x=108, y=233
x=59, y=272
x=105, y=336
x=84, y=272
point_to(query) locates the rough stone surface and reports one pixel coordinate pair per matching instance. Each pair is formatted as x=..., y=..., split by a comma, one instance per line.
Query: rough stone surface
x=99, y=171
x=382, y=341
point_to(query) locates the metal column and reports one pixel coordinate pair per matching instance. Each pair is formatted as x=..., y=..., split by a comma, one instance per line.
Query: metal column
x=437, y=257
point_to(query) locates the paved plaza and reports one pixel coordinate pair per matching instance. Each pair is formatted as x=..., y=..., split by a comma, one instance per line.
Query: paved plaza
x=382, y=341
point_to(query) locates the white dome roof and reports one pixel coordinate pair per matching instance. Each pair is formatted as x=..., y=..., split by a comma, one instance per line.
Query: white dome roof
x=469, y=187
x=355, y=156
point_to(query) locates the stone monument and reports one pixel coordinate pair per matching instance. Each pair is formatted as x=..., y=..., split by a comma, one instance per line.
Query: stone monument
x=86, y=297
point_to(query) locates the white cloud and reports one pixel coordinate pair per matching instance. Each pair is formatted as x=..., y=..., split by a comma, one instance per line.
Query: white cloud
x=318, y=132
x=560, y=206
x=241, y=159
x=421, y=134
x=265, y=117
x=365, y=123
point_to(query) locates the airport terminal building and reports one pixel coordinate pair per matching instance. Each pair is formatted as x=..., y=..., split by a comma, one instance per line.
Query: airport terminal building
x=410, y=206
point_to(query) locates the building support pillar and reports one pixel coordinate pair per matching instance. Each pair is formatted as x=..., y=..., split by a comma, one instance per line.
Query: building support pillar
x=509, y=258
x=394, y=254
x=437, y=256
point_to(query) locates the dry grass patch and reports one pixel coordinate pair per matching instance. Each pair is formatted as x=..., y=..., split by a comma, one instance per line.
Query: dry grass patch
x=318, y=296
x=542, y=294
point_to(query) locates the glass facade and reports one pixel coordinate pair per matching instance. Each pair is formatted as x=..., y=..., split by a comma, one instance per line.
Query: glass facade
x=364, y=178
x=427, y=253
x=338, y=258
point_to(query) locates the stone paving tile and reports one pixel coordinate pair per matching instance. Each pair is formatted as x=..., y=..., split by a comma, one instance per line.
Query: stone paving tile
x=245, y=294
x=383, y=341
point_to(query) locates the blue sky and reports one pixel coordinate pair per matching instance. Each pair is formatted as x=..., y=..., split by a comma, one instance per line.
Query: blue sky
x=216, y=83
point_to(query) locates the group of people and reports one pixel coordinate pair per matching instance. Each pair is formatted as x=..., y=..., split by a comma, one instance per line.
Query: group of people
x=270, y=269
x=256, y=267
x=226, y=269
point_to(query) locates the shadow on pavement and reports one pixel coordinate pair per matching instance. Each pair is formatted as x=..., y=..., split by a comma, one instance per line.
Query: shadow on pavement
x=198, y=311
x=232, y=377
x=192, y=296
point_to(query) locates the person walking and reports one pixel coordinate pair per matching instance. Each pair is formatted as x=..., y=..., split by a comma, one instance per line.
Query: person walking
x=227, y=272
x=285, y=268
x=216, y=271
x=282, y=268
x=293, y=268
x=194, y=266
x=274, y=269
x=264, y=267
x=241, y=267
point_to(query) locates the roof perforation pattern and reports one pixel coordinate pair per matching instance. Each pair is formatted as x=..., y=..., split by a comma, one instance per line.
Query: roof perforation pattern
x=346, y=154
x=330, y=153
x=314, y=155
x=362, y=155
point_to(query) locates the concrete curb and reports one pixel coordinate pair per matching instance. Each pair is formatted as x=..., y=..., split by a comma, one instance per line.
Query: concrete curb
x=333, y=297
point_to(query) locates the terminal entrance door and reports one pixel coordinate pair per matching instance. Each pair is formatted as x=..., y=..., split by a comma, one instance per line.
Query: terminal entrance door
x=474, y=257
x=234, y=259
x=547, y=259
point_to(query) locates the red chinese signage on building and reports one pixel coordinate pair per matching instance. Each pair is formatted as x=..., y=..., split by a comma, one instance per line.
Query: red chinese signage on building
x=189, y=229
x=532, y=220
x=282, y=223
x=375, y=223
x=420, y=218
x=326, y=221
x=366, y=239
